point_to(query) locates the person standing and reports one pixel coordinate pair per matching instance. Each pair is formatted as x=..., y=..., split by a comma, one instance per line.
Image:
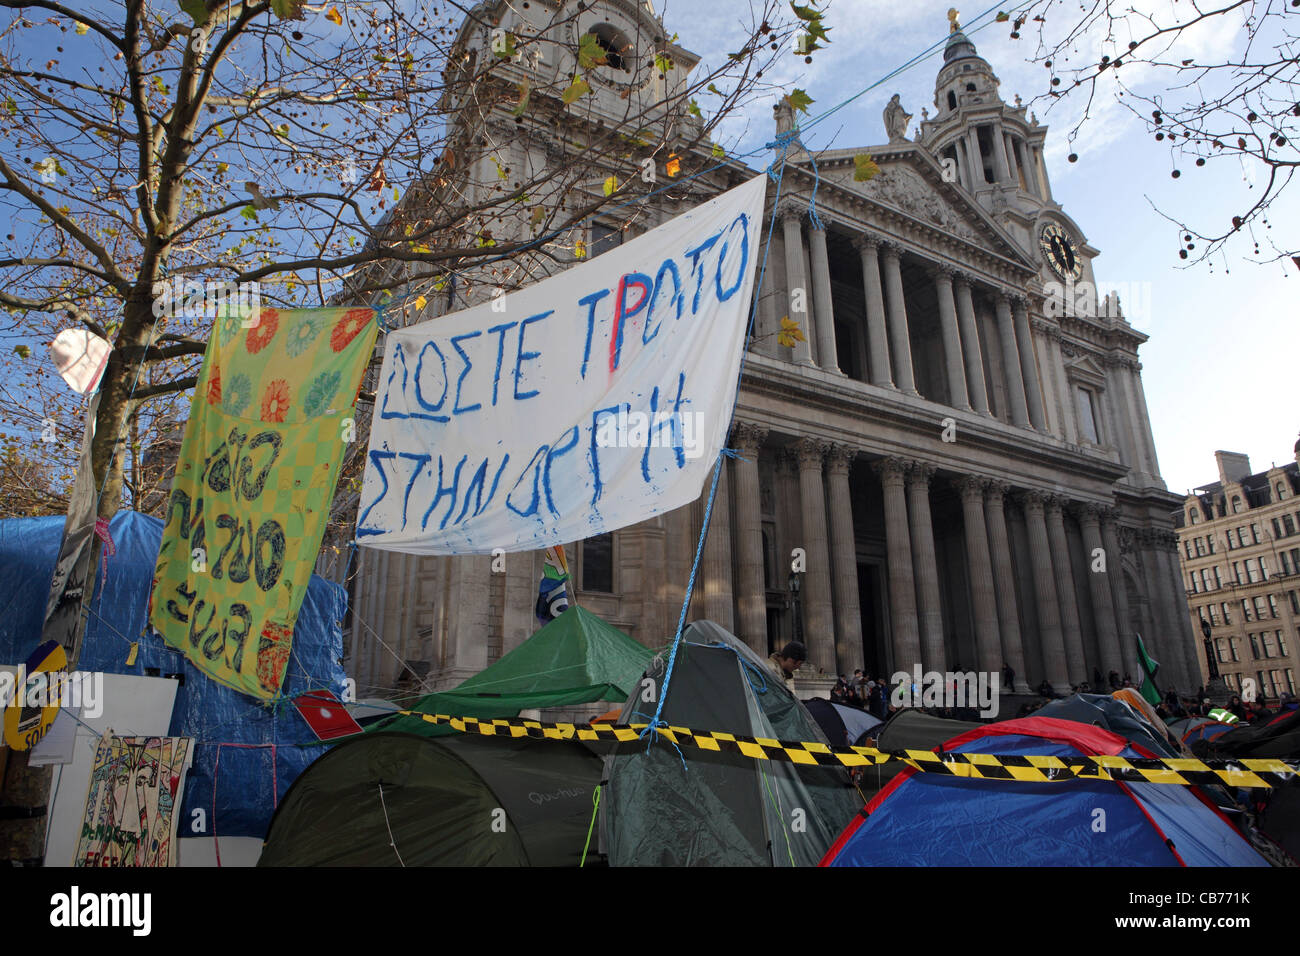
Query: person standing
x=787, y=661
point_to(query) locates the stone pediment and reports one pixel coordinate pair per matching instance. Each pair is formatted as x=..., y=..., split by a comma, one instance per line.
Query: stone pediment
x=910, y=182
x=1083, y=368
x=904, y=189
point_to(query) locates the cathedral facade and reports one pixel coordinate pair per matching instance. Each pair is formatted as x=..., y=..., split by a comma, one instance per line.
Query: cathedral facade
x=953, y=466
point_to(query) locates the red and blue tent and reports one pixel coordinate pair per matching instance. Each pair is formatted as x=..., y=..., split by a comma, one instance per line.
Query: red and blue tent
x=928, y=819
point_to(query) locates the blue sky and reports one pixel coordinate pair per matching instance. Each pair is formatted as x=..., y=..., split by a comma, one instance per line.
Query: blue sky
x=1219, y=368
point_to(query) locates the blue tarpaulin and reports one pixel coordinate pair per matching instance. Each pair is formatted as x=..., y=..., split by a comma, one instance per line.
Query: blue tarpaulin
x=249, y=748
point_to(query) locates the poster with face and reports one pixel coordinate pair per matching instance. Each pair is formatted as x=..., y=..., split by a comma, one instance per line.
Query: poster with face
x=131, y=806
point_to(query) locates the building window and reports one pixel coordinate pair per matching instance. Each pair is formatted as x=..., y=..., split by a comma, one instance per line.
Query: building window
x=1218, y=650
x=1281, y=644
x=1232, y=544
x=1277, y=529
x=1254, y=531
x=1266, y=643
x=1286, y=563
x=1245, y=610
x=1290, y=681
x=1252, y=573
x=1236, y=572
x=1227, y=615
x=1087, y=422
x=1191, y=516
x=1200, y=547
x=1214, y=615
x=1241, y=536
x=1264, y=689
x=1272, y=605
x=1205, y=580
x=614, y=44
x=1218, y=581
x=1259, y=609
x=1295, y=559
x=1281, y=490
x=598, y=564
x=1289, y=525
x=1254, y=646
x=1187, y=547
x=1192, y=576
x=1232, y=645
x=1209, y=540
x=1236, y=504
x=1263, y=570
x=1295, y=602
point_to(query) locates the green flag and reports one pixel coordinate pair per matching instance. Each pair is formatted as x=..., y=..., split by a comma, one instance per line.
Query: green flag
x=1149, y=669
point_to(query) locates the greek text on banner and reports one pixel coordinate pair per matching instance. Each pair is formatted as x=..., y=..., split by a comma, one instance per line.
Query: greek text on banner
x=593, y=400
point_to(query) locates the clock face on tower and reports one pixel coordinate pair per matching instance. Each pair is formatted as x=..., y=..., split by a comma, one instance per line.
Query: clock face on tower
x=1060, y=251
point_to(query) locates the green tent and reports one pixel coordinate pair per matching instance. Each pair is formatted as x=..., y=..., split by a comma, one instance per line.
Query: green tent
x=575, y=659
x=403, y=800
x=692, y=807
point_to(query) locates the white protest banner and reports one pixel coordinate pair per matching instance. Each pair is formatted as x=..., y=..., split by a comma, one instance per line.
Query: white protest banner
x=593, y=400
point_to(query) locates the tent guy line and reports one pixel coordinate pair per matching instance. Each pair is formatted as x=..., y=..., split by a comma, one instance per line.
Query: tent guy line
x=1260, y=773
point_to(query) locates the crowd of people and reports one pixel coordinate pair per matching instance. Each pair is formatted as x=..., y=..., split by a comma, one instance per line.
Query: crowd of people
x=872, y=693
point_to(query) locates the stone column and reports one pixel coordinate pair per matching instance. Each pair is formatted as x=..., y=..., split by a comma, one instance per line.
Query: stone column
x=1143, y=421
x=1064, y=392
x=1028, y=365
x=1099, y=587
x=979, y=567
x=899, y=344
x=1013, y=166
x=751, y=596
x=1049, y=611
x=1076, y=662
x=1160, y=641
x=1180, y=625
x=929, y=610
x=1004, y=581
x=520, y=618
x=951, y=339
x=716, y=563
x=844, y=559
x=769, y=323
x=970, y=345
x=977, y=159
x=904, y=634
x=796, y=278
x=1118, y=589
x=819, y=616
x=1000, y=154
x=1011, y=362
x=823, y=308
x=877, y=332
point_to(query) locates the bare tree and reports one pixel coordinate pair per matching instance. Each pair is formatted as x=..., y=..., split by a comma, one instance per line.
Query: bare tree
x=154, y=152
x=1241, y=109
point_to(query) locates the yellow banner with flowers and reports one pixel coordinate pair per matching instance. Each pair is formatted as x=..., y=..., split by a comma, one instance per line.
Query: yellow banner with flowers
x=271, y=417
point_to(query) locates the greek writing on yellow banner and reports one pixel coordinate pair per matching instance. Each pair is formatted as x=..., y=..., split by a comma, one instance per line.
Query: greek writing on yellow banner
x=271, y=418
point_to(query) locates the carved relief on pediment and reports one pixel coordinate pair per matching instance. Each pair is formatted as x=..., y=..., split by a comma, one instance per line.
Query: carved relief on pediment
x=904, y=189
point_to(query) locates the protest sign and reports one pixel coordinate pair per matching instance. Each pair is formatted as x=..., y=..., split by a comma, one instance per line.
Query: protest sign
x=593, y=400
x=271, y=417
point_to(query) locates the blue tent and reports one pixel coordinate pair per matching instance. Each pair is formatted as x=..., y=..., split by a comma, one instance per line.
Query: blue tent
x=244, y=749
x=927, y=819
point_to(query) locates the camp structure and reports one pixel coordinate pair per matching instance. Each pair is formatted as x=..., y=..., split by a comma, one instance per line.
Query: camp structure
x=909, y=728
x=936, y=819
x=245, y=754
x=396, y=799
x=1119, y=717
x=843, y=726
x=1276, y=736
x=575, y=659
x=1197, y=732
x=663, y=806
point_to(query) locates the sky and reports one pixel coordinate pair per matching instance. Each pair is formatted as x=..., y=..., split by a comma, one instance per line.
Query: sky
x=1219, y=369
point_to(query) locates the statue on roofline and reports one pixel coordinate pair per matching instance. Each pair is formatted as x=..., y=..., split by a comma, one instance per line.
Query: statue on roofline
x=896, y=120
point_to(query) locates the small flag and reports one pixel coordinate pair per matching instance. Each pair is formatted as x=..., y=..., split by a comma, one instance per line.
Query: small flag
x=130, y=657
x=552, y=589
x=1149, y=669
x=326, y=715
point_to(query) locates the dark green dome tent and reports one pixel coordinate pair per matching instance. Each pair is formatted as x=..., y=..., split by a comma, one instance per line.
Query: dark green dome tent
x=705, y=808
x=394, y=799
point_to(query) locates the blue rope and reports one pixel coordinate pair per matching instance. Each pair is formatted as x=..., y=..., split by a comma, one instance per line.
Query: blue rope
x=652, y=728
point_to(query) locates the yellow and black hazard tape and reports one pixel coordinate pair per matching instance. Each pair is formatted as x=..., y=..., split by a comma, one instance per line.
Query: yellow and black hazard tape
x=1182, y=771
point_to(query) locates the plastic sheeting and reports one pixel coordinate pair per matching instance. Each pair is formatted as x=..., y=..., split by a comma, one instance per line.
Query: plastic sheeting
x=250, y=751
